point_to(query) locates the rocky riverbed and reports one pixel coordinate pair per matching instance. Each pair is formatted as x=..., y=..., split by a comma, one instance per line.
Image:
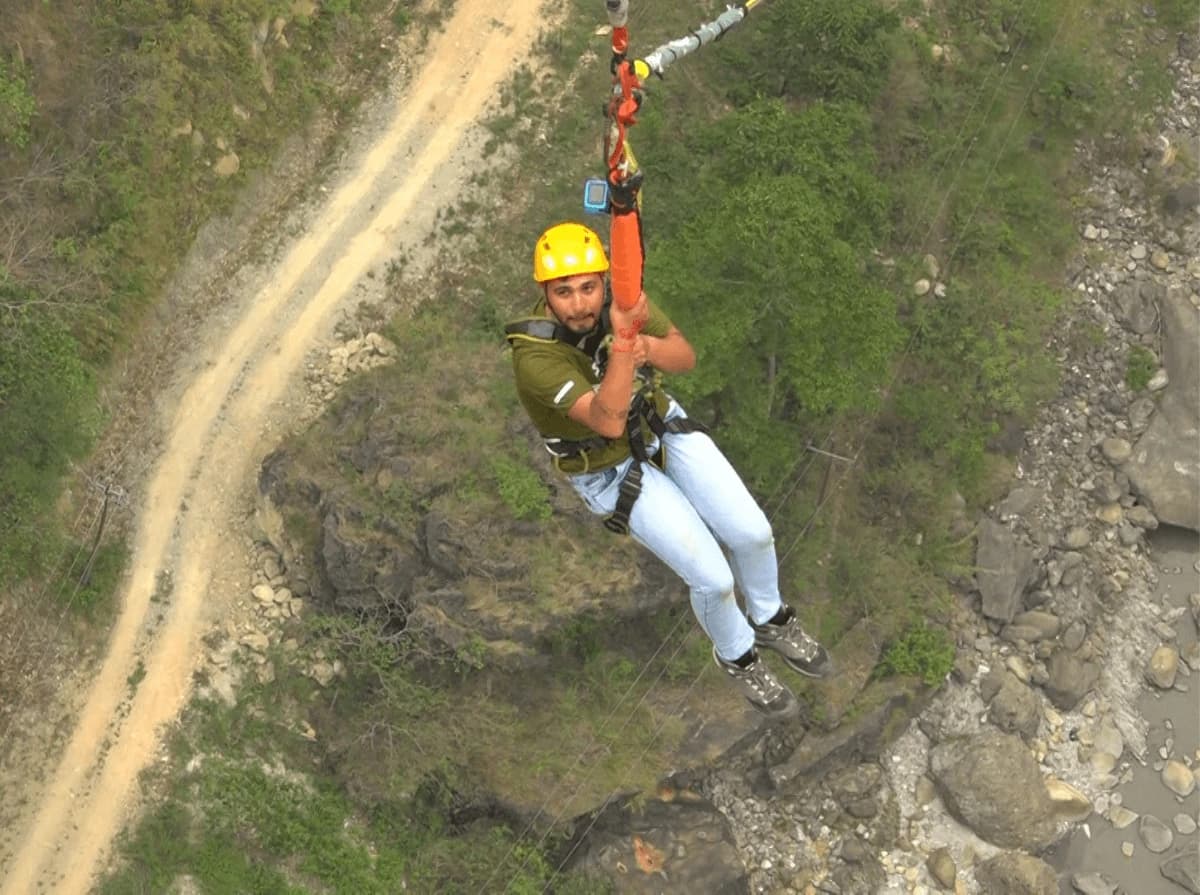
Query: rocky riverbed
x=1042, y=728
x=1137, y=848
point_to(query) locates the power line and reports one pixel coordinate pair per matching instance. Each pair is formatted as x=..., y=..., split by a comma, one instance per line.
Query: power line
x=57, y=574
x=110, y=497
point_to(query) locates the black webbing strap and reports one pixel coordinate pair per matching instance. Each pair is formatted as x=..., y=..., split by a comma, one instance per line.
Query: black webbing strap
x=544, y=329
x=631, y=486
x=566, y=449
x=638, y=408
x=642, y=407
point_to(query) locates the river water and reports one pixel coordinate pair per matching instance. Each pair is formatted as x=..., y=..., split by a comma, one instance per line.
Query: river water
x=1174, y=732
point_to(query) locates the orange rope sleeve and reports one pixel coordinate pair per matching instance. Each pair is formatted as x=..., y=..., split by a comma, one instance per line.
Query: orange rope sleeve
x=625, y=271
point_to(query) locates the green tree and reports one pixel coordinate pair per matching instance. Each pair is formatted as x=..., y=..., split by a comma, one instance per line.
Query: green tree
x=783, y=317
x=16, y=104
x=45, y=394
x=828, y=144
x=836, y=49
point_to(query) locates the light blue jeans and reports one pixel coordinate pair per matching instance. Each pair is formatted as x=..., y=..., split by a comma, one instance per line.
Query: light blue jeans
x=683, y=516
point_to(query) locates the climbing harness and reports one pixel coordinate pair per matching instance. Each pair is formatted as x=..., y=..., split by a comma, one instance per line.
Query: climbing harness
x=643, y=411
x=642, y=408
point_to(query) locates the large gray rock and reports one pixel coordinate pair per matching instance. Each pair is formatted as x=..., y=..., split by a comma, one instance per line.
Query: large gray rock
x=1181, y=200
x=1138, y=302
x=1005, y=569
x=1020, y=501
x=1012, y=873
x=1015, y=708
x=1070, y=678
x=990, y=781
x=440, y=546
x=648, y=847
x=1156, y=835
x=942, y=868
x=361, y=572
x=859, y=869
x=1032, y=626
x=1165, y=466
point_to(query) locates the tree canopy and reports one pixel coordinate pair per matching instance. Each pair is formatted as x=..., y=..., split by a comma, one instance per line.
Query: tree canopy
x=763, y=267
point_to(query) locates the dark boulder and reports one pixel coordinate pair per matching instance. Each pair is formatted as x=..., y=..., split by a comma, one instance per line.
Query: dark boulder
x=658, y=847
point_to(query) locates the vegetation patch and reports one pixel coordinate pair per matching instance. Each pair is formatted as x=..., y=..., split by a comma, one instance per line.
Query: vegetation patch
x=17, y=104
x=1140, y=367
x=115, y=121
x=521, y=489
x=922, y=651
x=391, y=808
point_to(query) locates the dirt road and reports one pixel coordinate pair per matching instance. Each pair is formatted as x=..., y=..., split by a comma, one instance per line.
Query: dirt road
x=235, y=395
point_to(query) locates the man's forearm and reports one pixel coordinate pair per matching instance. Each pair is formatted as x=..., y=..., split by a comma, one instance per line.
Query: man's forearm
x=610, y=406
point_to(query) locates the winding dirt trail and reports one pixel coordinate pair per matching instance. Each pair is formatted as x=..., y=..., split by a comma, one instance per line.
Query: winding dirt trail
x=238, y=392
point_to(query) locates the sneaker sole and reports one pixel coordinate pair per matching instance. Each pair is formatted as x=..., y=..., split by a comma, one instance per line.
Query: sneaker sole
x=788, y=714
x=815, y=674
x=824, y=671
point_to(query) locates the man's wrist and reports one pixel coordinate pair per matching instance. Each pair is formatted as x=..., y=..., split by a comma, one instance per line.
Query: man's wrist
x=610, y=412
x=629, y=332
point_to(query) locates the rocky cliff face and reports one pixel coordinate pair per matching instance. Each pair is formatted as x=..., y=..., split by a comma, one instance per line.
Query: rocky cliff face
x=386, y=507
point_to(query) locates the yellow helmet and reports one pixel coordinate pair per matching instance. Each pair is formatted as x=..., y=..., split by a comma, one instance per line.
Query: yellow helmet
x=565, y=250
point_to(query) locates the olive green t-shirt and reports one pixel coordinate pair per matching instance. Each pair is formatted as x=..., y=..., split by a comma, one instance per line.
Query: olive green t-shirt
x=552, y=375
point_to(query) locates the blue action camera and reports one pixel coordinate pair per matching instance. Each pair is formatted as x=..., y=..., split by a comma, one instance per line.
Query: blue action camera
x=595, y=195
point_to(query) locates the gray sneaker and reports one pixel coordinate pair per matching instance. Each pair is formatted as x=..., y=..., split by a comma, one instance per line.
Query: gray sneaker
x=760, y=686
x=800, y=651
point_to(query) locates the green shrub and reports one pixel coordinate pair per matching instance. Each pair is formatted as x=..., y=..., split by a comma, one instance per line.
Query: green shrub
x=521, y=489
x=924, y=652
x=93, y=593
x=16, y=105
x=45, y=421
x=787, y=325
x=580, y=638
x=1140, y=367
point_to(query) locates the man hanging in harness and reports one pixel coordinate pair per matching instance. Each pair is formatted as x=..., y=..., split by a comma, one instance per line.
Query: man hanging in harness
x=587, y=373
